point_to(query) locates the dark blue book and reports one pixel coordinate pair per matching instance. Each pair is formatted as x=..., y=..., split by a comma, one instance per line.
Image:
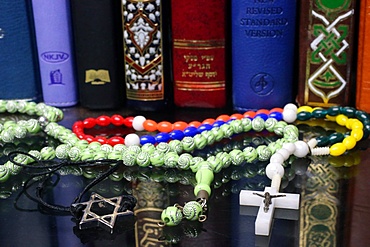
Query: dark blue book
x=263, y=45
x=18, y=55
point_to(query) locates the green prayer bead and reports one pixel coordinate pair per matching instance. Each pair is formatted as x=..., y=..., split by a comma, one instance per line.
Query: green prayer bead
x=250, y=154
x=95, y=146
x=33, y=126
x=47, y=153
x=237, y=157
x=270, y=124
x=227, y=130
x=319, y=113
x=237, y=126
x=200, y=141
x=188, y=143
x=134, y=148
x=114, y=155
x=82, y=144
x=176, y=146
x=120, y=147
x=106, y=148
x=87, y=154
x=12, y=168
x=11, y=106
x=163, y=147
x=247, y=124
x=304, y=115
x=279, y=128
x=143, y=159
x=362, y=116
x=258, y=124
x=192, y=210
x=7, y=136
x=225, y=159
x=4, y=174
x=74, y=153
x=184, y=161
x=216, y=163
x=218, y=133
x=348, y=111
x=263, y=153
x=335, y=138
x=195, y=163
x=157, y=158
x=334, y=110
x=148, y=148
x=322, y=141
x=100, y=155
x=129, y=158
x=171, y=216
x=210, y=137
x=170, y=159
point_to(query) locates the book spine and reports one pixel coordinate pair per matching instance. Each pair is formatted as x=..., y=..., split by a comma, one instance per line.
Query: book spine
x=363, y=60
x=97, y=28
x=54, y=44
x=198, y=50
x=263, y=45
x=18, y=60
x=326, y=52
x=146, y=57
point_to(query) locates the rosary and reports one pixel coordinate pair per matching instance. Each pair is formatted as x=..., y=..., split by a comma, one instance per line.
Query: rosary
x=172, y=146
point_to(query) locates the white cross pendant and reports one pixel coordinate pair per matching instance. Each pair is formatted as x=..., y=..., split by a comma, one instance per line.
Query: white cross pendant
x=267, y=202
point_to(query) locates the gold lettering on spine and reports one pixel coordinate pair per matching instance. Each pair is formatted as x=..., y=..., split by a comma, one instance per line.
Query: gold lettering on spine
x=199, y=72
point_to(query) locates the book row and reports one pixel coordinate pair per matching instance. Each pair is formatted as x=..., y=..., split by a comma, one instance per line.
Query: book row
x=146, y=55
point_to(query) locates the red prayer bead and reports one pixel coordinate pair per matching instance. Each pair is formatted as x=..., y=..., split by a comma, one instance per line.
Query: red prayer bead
x=103, y=120
x=89, y=122
x=179, y=125
x=128, y=122
x=264, y=111
x=208, y=121
x=89, y=138
x=236, y=116
x=115, y=140
x=249, y=114
x=195, y=124
x=150, y=125
x=117, y=120
x=223, y=117
x=101, y=139
x=164, y=126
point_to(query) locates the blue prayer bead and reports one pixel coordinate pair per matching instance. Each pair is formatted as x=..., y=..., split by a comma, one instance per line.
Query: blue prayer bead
x=177, y=135
x=147, y=139
x=204, y=127
x=162, y=137
x=277, y=115
x=264, y=116
x=218, y=123
x=190, y=131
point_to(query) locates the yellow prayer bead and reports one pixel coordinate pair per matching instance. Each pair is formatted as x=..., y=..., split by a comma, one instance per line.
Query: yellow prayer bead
x=357, y=125
x=331, y=118
x=349, y=123
x=357, y=134
x=341, y=119
x=305, y=108
x=349, y=142
x=337, y=149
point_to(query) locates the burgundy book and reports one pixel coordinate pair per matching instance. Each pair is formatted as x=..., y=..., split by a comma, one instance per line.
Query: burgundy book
x=198, y=50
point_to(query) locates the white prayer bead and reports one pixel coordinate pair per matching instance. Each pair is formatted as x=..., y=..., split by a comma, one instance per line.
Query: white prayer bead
x=285, y=153
x=289, y=115
x=312, y=143
x=132, y=139
x=277, y=158
x=290, y=106
x=274, y=168
x=290, y=147
x=138, y=123
x=301, y=149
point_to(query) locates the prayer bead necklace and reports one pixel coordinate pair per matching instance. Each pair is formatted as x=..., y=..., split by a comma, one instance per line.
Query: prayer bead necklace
x=175, y=153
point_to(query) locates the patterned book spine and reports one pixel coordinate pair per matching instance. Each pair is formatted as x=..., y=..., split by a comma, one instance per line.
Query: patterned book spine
x=97, y=28
x=326, y=52
x=263, y=44
x=363, y=62
x=18, y=55
x=145, y=38
x=54, y=44
x=198, y=49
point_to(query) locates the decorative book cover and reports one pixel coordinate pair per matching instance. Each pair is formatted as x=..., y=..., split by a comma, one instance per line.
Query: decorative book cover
x=54, y=44
x=263, y=46
x=19, y=68
x=363, y=62
x=97, y=28
x=198, y=50
x=146, y=53
x=326, y=52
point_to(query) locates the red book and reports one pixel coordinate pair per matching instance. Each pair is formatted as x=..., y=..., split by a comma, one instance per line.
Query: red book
x=363, y=62
x=198, y=35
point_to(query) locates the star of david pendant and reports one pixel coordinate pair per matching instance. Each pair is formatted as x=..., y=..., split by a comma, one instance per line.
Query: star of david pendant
x=101, y=212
